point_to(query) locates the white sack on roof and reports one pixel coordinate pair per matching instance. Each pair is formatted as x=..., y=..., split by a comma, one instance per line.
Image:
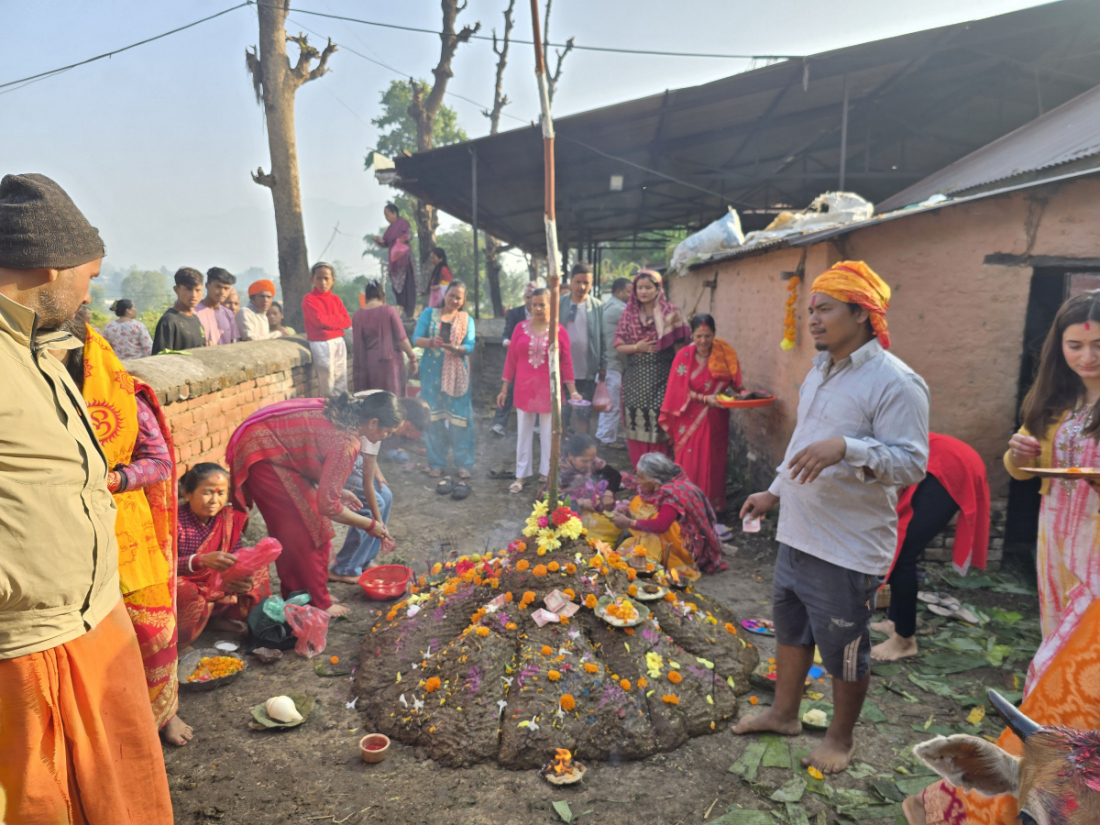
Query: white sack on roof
x=721, y=236
x=829, y=209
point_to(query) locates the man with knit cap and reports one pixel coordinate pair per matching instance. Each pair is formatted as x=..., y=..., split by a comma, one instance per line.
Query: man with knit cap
x=862, y=433
x=77, y=738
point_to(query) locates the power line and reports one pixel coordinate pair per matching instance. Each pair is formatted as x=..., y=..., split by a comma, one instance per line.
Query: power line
x=555, y=45
x=43, y=75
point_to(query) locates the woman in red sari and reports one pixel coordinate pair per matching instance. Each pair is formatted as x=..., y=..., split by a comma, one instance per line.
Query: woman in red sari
x=698, y=426
x=292, y=459
x=209, y=537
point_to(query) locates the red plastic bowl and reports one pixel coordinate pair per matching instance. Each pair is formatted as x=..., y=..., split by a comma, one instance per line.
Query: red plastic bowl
x=386, y=582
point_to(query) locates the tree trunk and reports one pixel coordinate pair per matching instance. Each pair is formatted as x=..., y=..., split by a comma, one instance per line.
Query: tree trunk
x=276, y=83
x=492, y=273
x=493, y=267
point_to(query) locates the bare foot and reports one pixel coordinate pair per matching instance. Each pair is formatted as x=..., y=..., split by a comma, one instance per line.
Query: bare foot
x=186, y=650
x=227, y=625
x=913, y=808
x=336, y=577
x=885, y=626
x=831, y=756
x=769, y=720
x=337, y=610
x=176, y=732
x=464, y=474
x=435, y=473
x=894, y=648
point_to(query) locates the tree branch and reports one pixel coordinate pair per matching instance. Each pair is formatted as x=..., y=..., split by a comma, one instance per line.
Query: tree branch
x=500, y=100
x=553, y=85
x=260, y=177
x=301, y=72
x=552, y=79
x=442, y=72
x=252, y=63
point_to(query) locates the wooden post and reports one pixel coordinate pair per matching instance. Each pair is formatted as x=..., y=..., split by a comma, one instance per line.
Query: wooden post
x=843, y=136
x=473, y=182
x=553, y=280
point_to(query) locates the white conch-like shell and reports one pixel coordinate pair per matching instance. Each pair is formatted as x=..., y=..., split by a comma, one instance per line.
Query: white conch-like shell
x=281, y=709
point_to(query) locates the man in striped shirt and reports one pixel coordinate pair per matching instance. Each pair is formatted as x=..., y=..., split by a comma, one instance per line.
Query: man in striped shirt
x=862, y=433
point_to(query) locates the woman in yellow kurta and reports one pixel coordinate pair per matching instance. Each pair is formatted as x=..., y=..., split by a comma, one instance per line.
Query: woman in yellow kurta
x=136, y=440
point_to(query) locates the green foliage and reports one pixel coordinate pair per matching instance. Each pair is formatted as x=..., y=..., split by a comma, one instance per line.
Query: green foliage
x=150, y=291
x=399, y=130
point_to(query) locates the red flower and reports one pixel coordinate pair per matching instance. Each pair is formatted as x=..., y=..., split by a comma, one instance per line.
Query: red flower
x=562, y=515
x=464, y=566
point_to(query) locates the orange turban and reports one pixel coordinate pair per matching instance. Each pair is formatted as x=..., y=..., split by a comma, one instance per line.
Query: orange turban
x=853, y=282
x=261, y=286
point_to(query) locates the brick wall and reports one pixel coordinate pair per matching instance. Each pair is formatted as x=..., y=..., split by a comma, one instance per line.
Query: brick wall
x=207, y=394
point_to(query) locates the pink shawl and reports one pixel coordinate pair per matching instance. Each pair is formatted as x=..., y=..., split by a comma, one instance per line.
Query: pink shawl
x=666, y=327
x=456, y=375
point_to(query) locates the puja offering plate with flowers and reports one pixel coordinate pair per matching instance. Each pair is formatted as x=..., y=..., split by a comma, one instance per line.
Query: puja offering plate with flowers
x=208, y=668
x=745, y=401
x=651, y=592
x=621, y=611
x=1081, y=473
x=673, y=579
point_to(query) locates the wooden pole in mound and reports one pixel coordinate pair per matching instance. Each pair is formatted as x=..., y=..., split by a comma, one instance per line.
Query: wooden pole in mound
x=552, y=272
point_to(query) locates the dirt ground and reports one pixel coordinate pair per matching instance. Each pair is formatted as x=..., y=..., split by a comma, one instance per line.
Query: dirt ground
x=313, y=773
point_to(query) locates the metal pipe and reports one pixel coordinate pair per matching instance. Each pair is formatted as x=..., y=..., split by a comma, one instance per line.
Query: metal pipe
x=844, y=135
x=553, y=280
x=477, y=281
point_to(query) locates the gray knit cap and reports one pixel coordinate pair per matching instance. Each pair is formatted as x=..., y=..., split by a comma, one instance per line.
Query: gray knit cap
x=40, y=226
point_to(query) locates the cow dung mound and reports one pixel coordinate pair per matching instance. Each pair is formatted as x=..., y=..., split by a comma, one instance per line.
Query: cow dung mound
x=468, y=682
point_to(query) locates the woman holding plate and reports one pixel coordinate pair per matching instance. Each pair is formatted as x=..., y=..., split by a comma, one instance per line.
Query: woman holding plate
x=1061, y=429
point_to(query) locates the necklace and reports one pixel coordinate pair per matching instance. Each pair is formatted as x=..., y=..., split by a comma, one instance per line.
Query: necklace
x=1070, y=444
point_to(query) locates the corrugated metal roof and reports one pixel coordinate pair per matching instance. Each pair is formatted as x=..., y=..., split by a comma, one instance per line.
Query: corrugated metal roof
x=1069, y=133
x=762, y=142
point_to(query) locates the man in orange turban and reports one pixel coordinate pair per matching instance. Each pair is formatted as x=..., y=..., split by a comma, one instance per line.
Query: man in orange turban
x=252, y=318
x=853, y=282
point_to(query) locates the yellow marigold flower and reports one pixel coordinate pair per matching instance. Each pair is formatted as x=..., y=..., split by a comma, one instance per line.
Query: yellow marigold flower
x=432, y=685
x=437, y=568
x=553, y=675
x=591, y=668
x=814, y=772
x=540, y=570
x=625, y=684
x=675, y=677
x=670, y=699
x=590, y=602
x=482, y=631
x=541, y=551
x=541, y=509
x=567, y=701
x=494, y=582
x=522, y=565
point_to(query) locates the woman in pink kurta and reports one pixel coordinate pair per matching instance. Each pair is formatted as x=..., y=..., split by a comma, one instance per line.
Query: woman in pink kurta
x=528, y=364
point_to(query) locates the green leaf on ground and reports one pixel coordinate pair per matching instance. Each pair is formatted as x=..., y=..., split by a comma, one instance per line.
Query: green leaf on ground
x=862, y=813
x=871, y=713
x=997, y=654
x=972, y=582
x=853, y=796
x=1008, y=617
x=796, y=815
x=912, y=785
x=889, y=791
x=790, y=791
x=749, y=763
x=777, y=753
x=563, y=811
x=744, y=817
x=885, y=670
x=861, y=770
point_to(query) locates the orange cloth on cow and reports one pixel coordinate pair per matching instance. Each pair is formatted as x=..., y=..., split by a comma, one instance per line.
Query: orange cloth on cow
x=257, y=287
x=853, y=282
x=1067, y=694
x=77, y=741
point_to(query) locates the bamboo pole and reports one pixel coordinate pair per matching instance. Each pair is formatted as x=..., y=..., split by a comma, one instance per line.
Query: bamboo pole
x=552, y=271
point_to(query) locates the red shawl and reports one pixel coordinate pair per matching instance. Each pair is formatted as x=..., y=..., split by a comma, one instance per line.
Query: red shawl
x=962, y=473
x=696, y=519
x=667, y=325
x=677, y=410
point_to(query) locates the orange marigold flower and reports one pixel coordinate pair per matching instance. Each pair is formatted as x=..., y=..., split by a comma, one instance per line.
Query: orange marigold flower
x=590, y=602
x=670, y=597
x=432, y=685
x=642, y=683
x=547, y=650
x=553, y=567
x=605, y=570
x=563, y=620
x=570, y=569
x=449, y=589
x=529, y=596
x=468, y=577
x=521, y=546
x=477, y=580
x=624, y=684
x=522, y=565
x=632, y=590
x=675, y=677
x=334, y=660
x=553, y=675
x=567, y=701
x=730, y=628
x=631, y=574
x=510, y=626
x=670, y=699
x=591, y=668
x=540, y=570
x=508, y=596
x=629, y=631
x=568, y=592
x=753, y=700
x=482, y=631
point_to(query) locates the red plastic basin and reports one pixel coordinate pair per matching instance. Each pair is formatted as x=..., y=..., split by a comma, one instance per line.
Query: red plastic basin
x=385, y=582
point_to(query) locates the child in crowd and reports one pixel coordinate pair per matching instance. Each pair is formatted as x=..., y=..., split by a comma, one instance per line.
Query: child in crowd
x=326, y=319
x=589, y=484
x=179, y=327
x=275, y=319
x=209, y=536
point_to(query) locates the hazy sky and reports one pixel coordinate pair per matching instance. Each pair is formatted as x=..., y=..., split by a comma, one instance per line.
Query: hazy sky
x=156, y=144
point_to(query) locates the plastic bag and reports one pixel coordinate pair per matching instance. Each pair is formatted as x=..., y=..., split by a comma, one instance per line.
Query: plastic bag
x=250, y=560
x=270, y=629
x=720, y=236
x=310, y=625
x=828, y=209
x=275, y=607
x=601, y=398
x=398, y=250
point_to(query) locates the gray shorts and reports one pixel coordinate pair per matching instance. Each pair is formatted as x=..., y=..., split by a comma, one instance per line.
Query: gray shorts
x=818, y=602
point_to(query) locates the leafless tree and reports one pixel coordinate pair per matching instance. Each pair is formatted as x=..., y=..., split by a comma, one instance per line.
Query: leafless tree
x=424, y=108
x=275, y=82
x=552, y=78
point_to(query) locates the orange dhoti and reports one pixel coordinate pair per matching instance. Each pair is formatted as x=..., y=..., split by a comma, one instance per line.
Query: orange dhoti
x=78, y=745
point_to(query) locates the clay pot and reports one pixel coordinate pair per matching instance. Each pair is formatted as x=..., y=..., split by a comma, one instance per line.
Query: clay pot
x=374, y=740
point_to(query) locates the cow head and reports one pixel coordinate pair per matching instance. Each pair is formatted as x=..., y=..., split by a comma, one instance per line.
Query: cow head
x=1056, y=782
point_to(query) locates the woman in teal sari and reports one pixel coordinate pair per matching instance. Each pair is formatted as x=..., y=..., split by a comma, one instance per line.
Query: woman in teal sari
x=446, y=335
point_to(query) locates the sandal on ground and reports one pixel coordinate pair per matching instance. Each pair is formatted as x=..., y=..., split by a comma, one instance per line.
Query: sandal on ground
x=501, y=471
x=461, y=491
x=446, y=486
x=516, y=486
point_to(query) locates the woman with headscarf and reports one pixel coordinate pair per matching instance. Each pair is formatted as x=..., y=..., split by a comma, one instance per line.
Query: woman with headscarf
x=292, y=459
x=402, y=273
x=649, y=333
x=378, y=339
x=136, y=440
x=446, y=334
x=672, y=519
x=698, y=426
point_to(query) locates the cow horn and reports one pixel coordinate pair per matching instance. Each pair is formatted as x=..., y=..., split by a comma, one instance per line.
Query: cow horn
x=1017, y=721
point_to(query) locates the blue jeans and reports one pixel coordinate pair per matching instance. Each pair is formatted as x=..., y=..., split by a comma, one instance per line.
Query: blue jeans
x=360, y=547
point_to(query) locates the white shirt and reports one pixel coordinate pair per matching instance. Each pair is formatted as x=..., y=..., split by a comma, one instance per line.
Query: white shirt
x=578, y=339
x=254, y=326
x=366, y=446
